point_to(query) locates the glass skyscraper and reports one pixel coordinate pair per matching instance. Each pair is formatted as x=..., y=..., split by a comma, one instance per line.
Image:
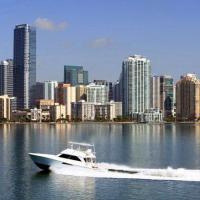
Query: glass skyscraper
x=24, y=65
x=135, y=80
x=75, y=75
x=163, y=94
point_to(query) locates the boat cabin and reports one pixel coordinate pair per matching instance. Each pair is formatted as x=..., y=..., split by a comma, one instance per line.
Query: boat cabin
x=81, y=152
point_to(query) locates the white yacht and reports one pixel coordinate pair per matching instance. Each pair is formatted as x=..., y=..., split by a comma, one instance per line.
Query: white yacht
x=76, y=155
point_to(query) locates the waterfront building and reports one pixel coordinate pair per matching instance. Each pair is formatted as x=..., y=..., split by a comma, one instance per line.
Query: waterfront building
x=115, y=109
x=89, y=111
x=151, y=115
x=135, y=80
x=6, y=77
x=49, y=89
x=65, y=95
x=83, y=111
x=109, y=86
x=188, y=98
x=174, y=102
x=5, y=107
x=19, y=115
x=155, y=92
x=166, y=95
x=97, y=93
x=80, y=92
x=24, y=65
x=162, y=97
x=108, y=111
x=75, y=75
x=38, y=115
x=57, y=112
x=44, y=104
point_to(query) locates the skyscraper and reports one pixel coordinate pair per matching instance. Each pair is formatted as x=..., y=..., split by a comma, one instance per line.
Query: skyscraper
x=109, y=86
x=75, y=75
x=162, y=94
x=188, y=98
x=65, y=95
x=166, y=95
x=49, y=89
x=155, y=92
x=135, y=80
x=6, y=77
x=24, y=65
x=97, y=93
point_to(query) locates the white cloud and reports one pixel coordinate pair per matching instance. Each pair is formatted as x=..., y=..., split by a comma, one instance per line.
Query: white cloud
x=101, y=42
x=46, y=24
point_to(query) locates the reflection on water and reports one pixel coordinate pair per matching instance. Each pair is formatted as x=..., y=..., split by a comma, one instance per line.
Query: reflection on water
x=135, y=145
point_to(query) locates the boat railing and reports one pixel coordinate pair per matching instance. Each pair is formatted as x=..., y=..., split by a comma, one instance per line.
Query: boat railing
x=81, y=146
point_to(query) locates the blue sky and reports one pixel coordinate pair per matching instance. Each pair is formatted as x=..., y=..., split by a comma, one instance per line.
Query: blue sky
x=99, y=34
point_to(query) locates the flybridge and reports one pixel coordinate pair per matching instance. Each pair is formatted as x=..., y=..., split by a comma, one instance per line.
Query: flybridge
x=81, y=146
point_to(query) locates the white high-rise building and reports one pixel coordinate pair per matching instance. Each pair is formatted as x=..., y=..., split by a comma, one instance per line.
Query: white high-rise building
x=97, y=93
x=6, y=77
x=49, y=89
x=135, y=79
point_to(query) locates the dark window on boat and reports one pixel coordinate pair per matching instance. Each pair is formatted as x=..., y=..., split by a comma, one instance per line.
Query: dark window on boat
x=69, y=157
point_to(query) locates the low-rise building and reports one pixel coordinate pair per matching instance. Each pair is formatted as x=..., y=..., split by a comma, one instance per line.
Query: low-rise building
x=150, y=115
x=57, y=112
x=83, y=111
x=88, y=111
x=38, y=115
x=115, y=109
x=44, y=104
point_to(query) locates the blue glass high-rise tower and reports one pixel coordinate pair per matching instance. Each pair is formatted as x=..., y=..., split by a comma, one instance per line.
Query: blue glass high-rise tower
x=24, y=65
x=75, y=75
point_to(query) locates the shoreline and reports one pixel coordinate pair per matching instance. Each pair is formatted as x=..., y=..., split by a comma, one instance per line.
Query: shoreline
x=96, y=122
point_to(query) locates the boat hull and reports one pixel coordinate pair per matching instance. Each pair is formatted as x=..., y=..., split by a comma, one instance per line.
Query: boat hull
x=46, y=161
x=42, y=161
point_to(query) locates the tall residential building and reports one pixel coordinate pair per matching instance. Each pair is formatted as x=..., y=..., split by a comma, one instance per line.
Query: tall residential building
x=75, y=75
x=109, y=86
x=117, y=92
x=65, y=95
x=162, y=94
x=97, y=93
x=5, y=107
x=135, y=80
x=49, y=89
x=6, y=77
x=166, y=95
x=24, y=65
x=188, y=98
x=155, y=92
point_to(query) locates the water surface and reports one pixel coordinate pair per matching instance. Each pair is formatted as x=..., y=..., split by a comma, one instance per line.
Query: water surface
x=134, y=145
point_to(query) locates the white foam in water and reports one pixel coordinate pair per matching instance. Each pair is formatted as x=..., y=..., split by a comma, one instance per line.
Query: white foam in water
x=151, y=174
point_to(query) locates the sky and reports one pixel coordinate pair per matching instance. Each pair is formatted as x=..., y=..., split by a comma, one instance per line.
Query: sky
x=100, y=34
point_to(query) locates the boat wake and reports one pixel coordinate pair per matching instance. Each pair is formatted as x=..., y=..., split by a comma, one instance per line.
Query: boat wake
x=106, y=170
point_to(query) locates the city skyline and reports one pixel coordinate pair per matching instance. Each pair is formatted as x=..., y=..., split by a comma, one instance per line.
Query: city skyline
x=162, y=32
